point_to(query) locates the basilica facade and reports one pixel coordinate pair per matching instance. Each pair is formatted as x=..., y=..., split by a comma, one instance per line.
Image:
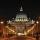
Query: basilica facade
x=21, y=23
x=21, y=26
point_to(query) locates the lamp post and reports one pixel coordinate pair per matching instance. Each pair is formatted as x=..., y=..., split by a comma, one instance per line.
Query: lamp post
x=37, y=33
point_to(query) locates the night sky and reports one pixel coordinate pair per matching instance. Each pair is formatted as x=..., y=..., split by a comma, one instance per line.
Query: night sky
x=31, y=8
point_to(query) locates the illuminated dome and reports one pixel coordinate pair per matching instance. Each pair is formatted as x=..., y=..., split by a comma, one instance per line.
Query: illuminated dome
x=21, y=16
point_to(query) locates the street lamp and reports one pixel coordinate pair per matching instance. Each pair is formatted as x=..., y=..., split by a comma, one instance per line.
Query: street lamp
x=37, y=34
x=37, y=25
x=1, y=22
x=37, y=22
